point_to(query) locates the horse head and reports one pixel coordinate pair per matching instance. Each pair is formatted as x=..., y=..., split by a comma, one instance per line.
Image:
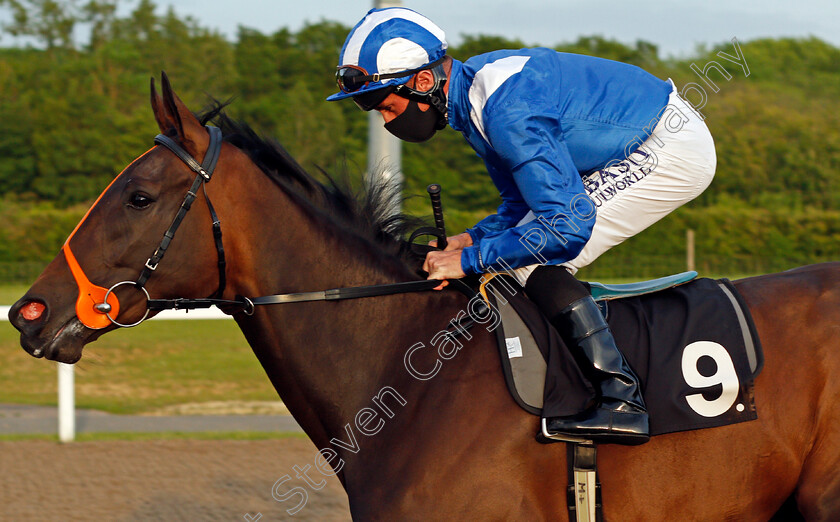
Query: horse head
x=74, y=301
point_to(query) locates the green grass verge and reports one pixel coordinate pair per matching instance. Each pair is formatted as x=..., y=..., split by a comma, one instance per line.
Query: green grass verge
x=9, y=293
x=173, y=435
x=157, y=364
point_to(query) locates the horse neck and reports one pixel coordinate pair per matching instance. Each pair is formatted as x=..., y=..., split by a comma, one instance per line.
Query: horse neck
x=326, y=359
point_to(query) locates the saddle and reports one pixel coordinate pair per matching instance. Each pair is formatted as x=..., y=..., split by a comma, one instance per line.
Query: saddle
x=691, y=341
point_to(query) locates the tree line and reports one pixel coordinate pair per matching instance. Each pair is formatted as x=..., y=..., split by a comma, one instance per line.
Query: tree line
x=75, y=111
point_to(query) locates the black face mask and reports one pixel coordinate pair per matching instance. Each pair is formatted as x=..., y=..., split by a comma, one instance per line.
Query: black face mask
x=413, y=124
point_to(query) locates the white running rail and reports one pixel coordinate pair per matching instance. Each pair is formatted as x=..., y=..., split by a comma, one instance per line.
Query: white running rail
x=66, y=377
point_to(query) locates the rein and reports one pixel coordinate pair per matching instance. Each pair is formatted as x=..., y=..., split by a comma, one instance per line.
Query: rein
x=247, y=304
x=204, y=172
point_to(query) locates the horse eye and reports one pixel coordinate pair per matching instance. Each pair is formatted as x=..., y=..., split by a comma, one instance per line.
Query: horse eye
x=139, y=200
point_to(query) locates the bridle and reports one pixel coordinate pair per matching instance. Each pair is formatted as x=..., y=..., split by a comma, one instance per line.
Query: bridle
x=95, y=304
x=204, y=171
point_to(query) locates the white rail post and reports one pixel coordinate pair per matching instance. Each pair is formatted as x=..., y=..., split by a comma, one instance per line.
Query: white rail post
x=66, y=403
x=384, y=151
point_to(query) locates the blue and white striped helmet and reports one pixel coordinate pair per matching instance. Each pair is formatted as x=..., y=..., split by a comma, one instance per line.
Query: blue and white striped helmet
x=390, y=40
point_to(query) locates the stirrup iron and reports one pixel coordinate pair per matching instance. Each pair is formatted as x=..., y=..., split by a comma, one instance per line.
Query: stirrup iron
x=559, y=437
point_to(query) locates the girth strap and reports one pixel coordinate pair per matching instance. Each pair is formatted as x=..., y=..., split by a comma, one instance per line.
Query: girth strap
x=583, y=493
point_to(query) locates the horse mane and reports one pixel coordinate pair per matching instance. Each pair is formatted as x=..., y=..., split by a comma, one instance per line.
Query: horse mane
x=367, y=213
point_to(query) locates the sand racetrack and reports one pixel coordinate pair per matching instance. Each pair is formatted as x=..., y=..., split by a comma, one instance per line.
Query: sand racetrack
x=162, y=480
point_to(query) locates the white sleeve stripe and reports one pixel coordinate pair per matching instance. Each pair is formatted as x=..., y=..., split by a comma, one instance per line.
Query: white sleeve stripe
x=354, y=45
x=487, y=80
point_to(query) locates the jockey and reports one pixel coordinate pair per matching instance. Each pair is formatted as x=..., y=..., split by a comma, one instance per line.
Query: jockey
x=585, y=152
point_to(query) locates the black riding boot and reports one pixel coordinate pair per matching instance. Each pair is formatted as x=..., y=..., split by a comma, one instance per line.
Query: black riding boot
x=619, y=416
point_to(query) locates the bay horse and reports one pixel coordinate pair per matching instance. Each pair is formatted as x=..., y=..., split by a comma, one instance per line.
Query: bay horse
x=451, y=444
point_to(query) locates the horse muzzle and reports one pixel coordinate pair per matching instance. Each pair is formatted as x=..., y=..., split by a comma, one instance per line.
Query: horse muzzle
x=59, y=339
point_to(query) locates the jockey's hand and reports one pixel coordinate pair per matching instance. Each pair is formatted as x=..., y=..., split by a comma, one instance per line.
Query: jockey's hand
x=459, y=242
x=444, y=265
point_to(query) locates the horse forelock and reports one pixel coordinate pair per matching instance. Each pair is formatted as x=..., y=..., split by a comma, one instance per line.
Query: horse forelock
x=367, y=213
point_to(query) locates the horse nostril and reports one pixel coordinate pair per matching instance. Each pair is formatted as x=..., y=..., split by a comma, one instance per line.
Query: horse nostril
x=32, y=310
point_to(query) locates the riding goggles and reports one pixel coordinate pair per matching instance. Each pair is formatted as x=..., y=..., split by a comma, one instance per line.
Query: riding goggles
x=369, y=100
x=351, y=78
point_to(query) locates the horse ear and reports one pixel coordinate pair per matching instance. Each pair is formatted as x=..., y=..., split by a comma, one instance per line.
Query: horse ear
x=188, y=130
x=165, y=122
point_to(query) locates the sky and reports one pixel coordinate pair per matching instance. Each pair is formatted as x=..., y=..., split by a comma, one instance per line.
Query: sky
x=677, y=27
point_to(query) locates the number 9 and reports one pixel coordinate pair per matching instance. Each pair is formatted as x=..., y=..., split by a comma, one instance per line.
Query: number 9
x=726, y=376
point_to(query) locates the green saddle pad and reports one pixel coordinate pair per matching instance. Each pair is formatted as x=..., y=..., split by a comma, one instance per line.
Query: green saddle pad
x=602, y=292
